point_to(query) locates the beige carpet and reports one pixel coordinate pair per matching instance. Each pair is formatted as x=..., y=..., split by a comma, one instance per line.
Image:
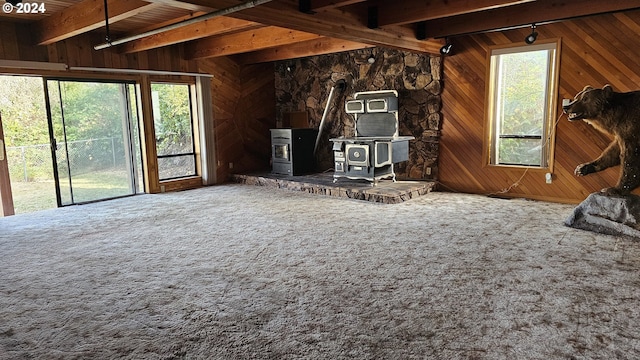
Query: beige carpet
x=246, y=272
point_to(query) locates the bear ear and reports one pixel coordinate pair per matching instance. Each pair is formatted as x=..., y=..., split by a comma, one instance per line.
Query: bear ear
x=608, y=90
x=586, y=88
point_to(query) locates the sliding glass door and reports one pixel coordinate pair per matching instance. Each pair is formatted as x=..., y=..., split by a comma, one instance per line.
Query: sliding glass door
x=95, y=139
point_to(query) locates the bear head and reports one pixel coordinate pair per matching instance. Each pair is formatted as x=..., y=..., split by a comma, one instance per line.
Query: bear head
x=588, y=103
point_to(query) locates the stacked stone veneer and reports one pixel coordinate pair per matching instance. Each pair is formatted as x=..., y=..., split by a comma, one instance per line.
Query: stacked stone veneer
x=304, y=85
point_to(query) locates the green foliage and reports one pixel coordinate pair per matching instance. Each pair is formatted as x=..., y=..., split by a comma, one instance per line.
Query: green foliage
x=172, y=118
x=523, y=83
x=91, y=110
x=524, y=87
x=22, y=107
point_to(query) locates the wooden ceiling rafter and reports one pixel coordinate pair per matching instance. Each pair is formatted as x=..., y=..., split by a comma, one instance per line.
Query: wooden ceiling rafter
x=246, y=41
x=85, y=16
x=413, y=11
x=331, y=23
x=539, y=12
x=320, y=46
x=317, y=5
x=210, y=27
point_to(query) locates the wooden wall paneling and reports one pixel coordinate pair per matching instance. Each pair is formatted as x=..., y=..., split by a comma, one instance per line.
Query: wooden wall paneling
x=244, y=110
x=595, y=51
x=10, y=43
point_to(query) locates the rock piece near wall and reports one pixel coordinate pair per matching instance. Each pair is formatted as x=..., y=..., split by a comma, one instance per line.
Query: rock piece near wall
x=612, y=215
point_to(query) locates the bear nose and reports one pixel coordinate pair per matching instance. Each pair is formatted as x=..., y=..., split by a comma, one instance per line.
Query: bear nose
x=567, y=106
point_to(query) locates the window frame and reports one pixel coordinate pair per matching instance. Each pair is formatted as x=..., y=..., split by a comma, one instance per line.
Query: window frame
x=194, y=130
x=551, y=100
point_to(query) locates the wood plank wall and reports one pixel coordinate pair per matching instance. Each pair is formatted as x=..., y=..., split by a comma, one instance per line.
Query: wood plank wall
x=595, y=51
x=16, y=44
x=244, y=111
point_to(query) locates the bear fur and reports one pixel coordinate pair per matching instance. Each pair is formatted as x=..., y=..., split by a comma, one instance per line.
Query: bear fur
x=616, y=114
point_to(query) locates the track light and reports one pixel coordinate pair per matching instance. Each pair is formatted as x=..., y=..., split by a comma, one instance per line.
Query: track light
x=446, y=49
x=531, y=38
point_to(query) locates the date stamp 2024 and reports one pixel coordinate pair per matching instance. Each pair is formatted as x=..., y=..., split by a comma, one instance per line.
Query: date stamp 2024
x=24, y=8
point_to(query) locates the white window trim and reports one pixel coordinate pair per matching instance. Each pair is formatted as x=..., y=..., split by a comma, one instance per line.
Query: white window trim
x=551, y=101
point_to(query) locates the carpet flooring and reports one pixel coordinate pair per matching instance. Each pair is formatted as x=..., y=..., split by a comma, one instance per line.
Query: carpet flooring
x=246, y=272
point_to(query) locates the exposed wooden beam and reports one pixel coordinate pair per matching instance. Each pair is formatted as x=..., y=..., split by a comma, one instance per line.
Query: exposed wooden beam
x=183, y=5
x=319, y=46
x=331, y=23
x=411, y=11
x=244, y=42
x=215, y=26
x=317, y=5
x=538, y=12
x=85, y=16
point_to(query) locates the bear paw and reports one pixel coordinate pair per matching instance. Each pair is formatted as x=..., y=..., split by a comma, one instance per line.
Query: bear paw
x=585, y=169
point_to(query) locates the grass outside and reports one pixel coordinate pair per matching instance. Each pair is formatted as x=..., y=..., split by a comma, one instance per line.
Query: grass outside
x=40, y=195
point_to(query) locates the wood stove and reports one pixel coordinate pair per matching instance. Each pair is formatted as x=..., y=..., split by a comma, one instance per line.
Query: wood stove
x=292, y=151
x=376, y=146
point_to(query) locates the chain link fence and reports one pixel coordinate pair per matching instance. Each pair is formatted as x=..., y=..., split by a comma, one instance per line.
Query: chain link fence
x=33, y=162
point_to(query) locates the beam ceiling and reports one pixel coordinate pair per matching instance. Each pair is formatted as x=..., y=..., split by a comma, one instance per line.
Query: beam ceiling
x=85, y=16
x=278, y=29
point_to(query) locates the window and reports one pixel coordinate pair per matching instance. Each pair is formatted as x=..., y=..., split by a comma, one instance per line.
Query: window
x=173, y=122
x=521, y=104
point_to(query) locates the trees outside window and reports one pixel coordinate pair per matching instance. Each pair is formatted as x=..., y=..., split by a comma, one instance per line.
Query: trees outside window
x=521, y=105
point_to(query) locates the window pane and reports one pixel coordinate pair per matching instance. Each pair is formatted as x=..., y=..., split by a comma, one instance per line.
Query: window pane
x=172, y=118
x=520, y=104
x=522, y=99
x=520, y=152
x=173, y=128
x=176, y=166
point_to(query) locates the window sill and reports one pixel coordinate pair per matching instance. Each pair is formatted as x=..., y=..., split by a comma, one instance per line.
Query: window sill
x=186, y=183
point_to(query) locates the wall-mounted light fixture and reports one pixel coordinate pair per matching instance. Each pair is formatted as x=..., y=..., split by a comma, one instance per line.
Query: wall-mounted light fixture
x=371, y=59
x=446, y=49
x=531, y=38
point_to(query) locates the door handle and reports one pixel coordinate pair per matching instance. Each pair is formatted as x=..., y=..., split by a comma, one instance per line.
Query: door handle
x=1, y=150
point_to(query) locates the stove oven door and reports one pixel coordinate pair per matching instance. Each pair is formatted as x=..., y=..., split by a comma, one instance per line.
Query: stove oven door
x=382, y=154
x=357, y=154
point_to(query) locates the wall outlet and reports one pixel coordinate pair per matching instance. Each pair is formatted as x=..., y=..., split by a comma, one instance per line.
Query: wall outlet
x=162, y=188
x=428, y=171
x=230, y=165
x=548, y=178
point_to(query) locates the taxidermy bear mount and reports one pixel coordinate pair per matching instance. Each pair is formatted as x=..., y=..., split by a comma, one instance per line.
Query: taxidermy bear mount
x=616, y=114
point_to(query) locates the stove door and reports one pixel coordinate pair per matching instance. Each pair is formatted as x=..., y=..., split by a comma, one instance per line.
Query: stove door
x=382, y=154
x=357, y=154
x=281, y=152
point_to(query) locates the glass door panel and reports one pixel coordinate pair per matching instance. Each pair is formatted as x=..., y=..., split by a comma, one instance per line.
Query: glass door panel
x=93, y=127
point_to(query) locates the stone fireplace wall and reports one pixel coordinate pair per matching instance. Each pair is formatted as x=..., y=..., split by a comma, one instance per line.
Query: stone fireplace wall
x=303, y=85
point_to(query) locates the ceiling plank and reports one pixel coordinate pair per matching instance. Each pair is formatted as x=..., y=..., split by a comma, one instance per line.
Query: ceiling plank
x=243, y=42
x=210, y=27
x=538, y=12
x=331, y=23
x=85, y=16
x=411, y=11
x=314, y=47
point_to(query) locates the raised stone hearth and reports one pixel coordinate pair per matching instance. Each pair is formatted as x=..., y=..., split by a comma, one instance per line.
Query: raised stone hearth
x=386, y=191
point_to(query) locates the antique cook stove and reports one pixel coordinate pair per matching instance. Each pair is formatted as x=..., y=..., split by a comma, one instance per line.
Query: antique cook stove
x=376, y=146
